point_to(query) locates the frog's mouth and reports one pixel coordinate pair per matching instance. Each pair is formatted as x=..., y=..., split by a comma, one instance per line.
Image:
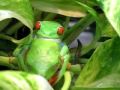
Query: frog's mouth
x=47, y=38
x=53, y=39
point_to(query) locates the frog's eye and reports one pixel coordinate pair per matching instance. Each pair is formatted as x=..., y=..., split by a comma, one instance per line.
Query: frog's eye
x=60, y=30
x=37, y=25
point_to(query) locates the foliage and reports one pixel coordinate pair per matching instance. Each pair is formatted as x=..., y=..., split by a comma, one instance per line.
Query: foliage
x=102, y=67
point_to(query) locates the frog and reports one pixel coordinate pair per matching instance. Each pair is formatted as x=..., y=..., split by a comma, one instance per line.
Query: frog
x=44, y=53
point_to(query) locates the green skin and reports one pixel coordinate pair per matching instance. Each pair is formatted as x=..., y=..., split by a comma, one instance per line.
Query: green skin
x=44, y=54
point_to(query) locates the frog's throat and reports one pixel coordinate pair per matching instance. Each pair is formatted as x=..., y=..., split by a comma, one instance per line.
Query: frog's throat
x=51, y=39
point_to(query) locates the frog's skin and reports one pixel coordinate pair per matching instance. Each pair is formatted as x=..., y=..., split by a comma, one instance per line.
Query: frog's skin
x=44, y=54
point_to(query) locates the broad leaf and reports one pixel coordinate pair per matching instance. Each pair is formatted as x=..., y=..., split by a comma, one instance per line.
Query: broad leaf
x=19, y=9
x=103, y=68
x=64, y=7
x=111, y=9
x=18, y=80
x=108, y=30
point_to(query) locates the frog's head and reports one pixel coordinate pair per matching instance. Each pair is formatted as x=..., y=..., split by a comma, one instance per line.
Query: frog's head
x=49, y=29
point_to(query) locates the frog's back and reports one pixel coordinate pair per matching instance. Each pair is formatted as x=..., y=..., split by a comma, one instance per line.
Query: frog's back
x=43, y=57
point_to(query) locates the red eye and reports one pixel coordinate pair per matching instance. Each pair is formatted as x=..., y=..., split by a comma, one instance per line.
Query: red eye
x=60, y=31
x=37, y=25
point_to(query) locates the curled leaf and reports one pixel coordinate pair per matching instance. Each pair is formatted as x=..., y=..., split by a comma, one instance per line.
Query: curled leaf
x=111, y=9
x=19, y=9
x=18, y=80
x=64, y=7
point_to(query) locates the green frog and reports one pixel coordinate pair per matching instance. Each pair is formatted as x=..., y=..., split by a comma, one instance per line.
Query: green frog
x=45, y=54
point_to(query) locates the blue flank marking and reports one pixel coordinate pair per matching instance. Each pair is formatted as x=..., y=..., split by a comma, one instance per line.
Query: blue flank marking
x=62, y=44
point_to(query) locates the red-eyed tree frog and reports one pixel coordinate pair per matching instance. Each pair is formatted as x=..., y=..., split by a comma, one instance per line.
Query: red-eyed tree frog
x=45, y=54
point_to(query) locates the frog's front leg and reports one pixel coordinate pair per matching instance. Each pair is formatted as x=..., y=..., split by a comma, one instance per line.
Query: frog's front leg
x=20, y=53
x=65, y=56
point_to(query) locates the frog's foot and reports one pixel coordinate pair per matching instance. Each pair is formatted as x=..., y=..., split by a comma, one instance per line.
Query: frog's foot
x=62, y=61
x=67, y=80
x=69, y=66
x=53, y=80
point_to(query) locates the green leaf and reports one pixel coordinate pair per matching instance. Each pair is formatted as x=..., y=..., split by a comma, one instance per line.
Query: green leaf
x=108, y=30
x=18, y=80
x=64, y=7
x=89, y=9
x=102, y=67
x=111, y=9
x=19, y=9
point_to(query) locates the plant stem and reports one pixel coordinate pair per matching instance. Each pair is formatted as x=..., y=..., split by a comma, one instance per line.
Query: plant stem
x=80, y=26
x=75, y=68
x=4, y=23
x=38, y=14
x=2, y=36
x=83, y=60
x=3, y=53
x=66, y=23
x=8, y=61
x=14, y=28
x=50, y=16
x=67, y=77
